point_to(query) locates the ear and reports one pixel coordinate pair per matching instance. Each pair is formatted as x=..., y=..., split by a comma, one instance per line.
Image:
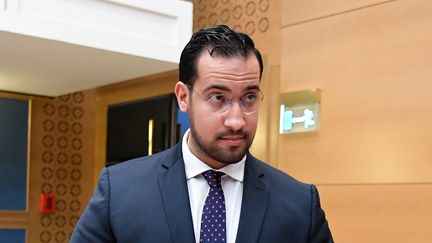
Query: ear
x=182, y=94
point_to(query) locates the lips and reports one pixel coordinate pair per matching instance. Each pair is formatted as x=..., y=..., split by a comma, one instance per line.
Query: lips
x=233, y=140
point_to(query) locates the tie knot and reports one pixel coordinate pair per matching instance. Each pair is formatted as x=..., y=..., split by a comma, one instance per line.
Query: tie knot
x=213, y=178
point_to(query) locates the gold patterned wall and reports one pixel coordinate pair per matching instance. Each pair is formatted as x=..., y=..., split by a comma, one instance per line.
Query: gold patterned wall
x=61, y=152
x=246, y=16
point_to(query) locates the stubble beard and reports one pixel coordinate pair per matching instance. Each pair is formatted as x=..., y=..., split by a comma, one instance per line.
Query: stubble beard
x=225, y=155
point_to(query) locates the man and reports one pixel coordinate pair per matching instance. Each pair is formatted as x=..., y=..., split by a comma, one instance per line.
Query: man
x=207, y=188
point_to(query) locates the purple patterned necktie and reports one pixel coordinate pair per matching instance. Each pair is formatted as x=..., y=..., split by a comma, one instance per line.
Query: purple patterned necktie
x=213, y=225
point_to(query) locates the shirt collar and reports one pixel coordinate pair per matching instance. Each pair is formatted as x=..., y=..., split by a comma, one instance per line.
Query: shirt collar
x=195, y=167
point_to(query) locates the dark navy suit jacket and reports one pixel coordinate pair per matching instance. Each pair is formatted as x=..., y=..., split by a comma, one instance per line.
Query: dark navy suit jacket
x=146, y=200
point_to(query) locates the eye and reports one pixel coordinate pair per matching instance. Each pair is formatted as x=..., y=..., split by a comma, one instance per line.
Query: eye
x=216, y=98
x=250, y=98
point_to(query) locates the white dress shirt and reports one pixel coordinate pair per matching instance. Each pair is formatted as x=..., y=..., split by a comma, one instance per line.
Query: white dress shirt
x=232, y=186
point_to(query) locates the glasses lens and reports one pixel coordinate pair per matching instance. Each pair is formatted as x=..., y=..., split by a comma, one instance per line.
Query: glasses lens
x=249, y=103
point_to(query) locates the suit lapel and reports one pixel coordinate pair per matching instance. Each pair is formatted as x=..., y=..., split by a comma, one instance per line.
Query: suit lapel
x=254, y=203
x=175, y=198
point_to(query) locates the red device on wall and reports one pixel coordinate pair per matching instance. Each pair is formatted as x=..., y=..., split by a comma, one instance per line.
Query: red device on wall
x=47, y=203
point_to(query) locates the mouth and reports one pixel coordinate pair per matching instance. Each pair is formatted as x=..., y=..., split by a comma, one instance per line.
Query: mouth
x=233, y=140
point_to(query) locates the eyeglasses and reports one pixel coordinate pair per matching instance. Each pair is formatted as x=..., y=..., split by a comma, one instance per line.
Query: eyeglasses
x=222, y=103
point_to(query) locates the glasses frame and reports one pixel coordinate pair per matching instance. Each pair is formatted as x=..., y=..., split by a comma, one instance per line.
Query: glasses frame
x=231, y=101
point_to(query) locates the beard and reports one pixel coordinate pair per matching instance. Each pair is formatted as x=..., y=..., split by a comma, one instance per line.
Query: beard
x=223, y=154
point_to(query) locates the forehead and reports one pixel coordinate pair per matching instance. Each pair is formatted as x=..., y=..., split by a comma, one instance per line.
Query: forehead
x=227, y=70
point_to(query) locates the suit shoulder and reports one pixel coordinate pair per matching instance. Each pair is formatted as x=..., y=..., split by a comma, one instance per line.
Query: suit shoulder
x=276, y=177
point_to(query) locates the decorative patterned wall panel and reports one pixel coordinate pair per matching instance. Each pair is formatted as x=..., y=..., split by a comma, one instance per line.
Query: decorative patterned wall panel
x=61, y=169
x=246, y=16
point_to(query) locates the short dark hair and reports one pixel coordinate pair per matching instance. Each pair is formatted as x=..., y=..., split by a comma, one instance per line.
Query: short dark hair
x=220, y=40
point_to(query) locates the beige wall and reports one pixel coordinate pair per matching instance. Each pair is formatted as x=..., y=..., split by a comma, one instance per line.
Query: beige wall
x=371, y=157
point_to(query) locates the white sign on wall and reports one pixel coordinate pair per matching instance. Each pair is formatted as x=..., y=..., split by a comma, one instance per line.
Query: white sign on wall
x=298, y=119
x=299, y=111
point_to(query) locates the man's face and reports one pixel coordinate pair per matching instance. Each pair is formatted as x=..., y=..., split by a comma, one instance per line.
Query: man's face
x=220, y=137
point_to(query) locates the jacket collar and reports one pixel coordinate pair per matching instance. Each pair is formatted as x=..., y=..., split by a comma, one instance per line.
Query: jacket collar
x=254, y=204
x=175, y=197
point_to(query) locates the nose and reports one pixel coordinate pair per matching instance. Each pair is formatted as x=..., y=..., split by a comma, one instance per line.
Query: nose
x=234, y=118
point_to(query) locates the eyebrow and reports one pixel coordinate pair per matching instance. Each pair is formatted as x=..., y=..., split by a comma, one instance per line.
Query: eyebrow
x=216, y=86
x=251, y=87
x=224, y=88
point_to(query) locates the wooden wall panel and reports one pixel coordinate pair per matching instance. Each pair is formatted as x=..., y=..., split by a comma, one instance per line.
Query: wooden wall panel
x=374, y=67
x=379, y=213
x=299, y=11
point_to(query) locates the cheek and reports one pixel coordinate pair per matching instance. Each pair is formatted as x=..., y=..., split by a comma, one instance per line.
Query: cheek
x=204, y=121
x=252, y=122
